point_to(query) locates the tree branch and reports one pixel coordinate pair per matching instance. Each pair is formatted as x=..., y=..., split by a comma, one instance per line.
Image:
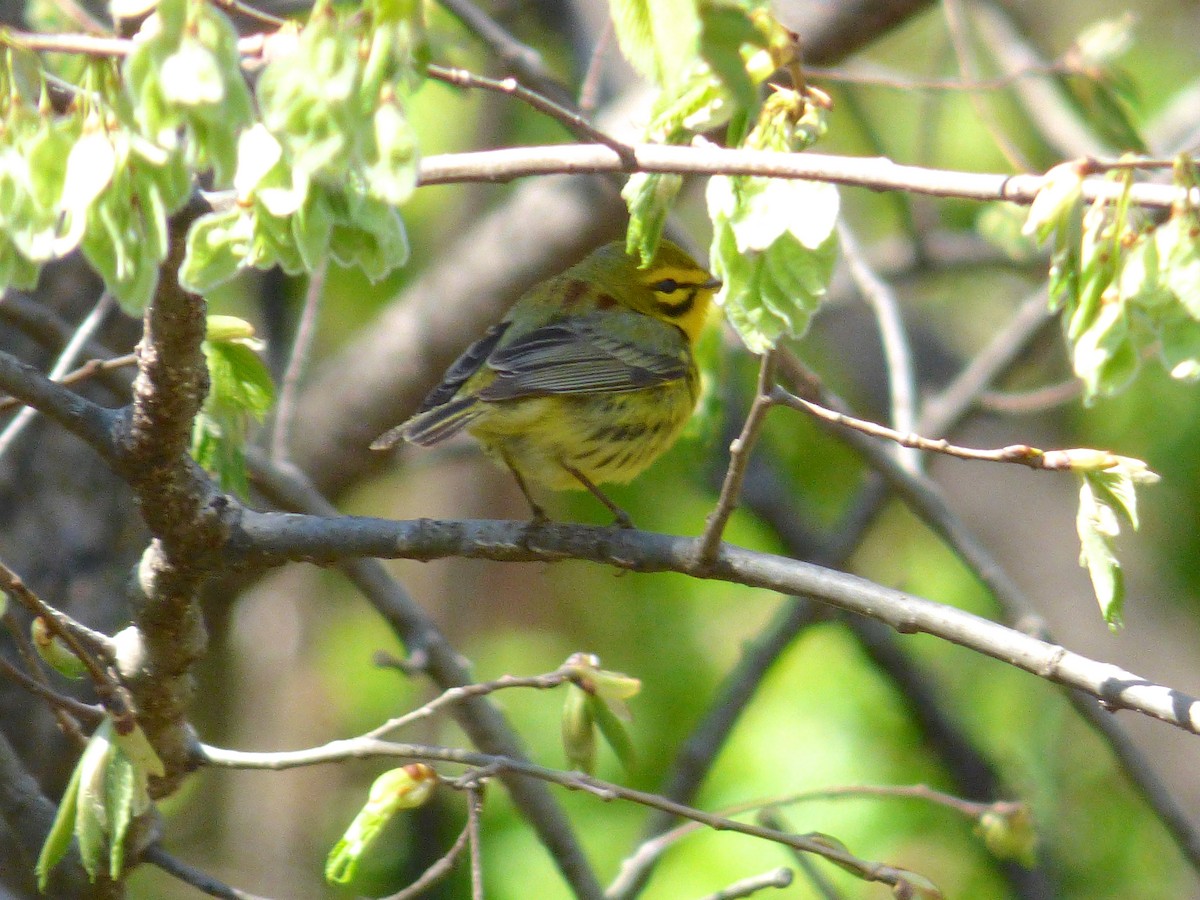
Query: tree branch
x=875, y=173
x=271, y=538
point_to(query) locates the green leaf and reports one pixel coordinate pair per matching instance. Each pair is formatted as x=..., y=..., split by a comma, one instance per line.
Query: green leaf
x=649, y=197
x=660, y=38
x=92, y=816
x=120, y=791
x=615, y=733
x=58, y=841
x=1102, y=101
x=217, y=245
x=240, y=390
x=578, y=730
x=1059, y=197
x=1107, y=498
x=724, y=29
x=1104, y=355
x=392, y=176
x=774, y=248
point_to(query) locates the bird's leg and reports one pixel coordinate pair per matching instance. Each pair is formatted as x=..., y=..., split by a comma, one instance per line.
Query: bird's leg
x=538, y=516
x=621, y=519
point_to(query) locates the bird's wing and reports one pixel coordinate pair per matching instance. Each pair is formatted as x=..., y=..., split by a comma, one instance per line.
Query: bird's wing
x=441, y=416
x=464, y=367
x=585, y=355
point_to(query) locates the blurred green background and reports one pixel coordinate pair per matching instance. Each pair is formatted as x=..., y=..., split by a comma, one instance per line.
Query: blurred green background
x=292, y=664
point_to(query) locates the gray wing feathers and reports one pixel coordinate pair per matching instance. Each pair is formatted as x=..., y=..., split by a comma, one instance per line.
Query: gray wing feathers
x=576, y=357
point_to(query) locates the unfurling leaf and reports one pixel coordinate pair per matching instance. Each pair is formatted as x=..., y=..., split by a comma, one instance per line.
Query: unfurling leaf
x=240, y=391
x=1107, y=497
x=394, y=791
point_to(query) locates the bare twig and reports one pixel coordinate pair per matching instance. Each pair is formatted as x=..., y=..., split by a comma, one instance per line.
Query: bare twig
x=960, y=38
x=442, y=867
x=364, y=748
x=517, y=57
x=870, y=73
x=474, y=841
x=469, y=691
x=1032, y=401
x=89, y=369
x=1021, y=454
x=589, y=87
x=771, y=818
x=902, y=383
x=875, y=173
x=571, y=120
x=739, y=458
x=776, y=878
x=285, y=408
x=92, y=715
x=251, y=12
x=111, y=692
x=157, y=855
x=70, y=353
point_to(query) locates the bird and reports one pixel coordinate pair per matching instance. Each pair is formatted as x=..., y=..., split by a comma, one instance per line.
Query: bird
x=587, y=379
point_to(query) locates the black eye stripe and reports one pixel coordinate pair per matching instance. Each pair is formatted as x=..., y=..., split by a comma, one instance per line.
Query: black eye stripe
x=666, y=286
x=675, y=309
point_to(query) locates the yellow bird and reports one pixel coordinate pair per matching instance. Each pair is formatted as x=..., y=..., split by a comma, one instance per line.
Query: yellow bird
x=588, y=379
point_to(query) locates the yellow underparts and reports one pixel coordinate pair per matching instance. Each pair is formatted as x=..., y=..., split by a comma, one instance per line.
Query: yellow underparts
x=609, y=437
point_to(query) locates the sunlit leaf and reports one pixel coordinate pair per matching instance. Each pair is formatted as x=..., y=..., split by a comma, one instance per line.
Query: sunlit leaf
x=660, y=38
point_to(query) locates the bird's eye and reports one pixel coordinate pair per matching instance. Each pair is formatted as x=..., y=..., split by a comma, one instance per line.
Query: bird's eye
x=666, y=286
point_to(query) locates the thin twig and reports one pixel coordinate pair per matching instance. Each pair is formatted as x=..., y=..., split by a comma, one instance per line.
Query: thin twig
x=739, y=458
x=571, y=120
x=112, y=693
x=771, y=818
x=81, y=16
x=926, y=502
x=361, y=748
x=875, y=173
x=251, y=12
x=85, y=712
x=466, y=692
x=961, y=40
x=29, y=656
x=474, y=841
x=589, y=86
x=157, y=855
x=776, y=878
x=1032, y=401
x=902, y=382
x=306, y=329
x=442, y=867
x=89, y=369
x=875, y=75
x=70, y=353
x=1021, y=454
x=516, y=56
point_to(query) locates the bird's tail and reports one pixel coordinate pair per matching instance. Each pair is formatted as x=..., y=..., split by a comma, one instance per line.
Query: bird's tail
x=433, y=425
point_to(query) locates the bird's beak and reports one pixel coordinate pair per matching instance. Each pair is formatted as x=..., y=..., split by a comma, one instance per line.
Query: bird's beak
x=713, y=284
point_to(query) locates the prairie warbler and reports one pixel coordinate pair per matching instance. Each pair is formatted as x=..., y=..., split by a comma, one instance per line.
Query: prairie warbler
x=588, y=379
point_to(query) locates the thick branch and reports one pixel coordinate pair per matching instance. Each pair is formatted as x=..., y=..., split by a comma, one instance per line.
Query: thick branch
x=269, y=538
x=178, y=503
